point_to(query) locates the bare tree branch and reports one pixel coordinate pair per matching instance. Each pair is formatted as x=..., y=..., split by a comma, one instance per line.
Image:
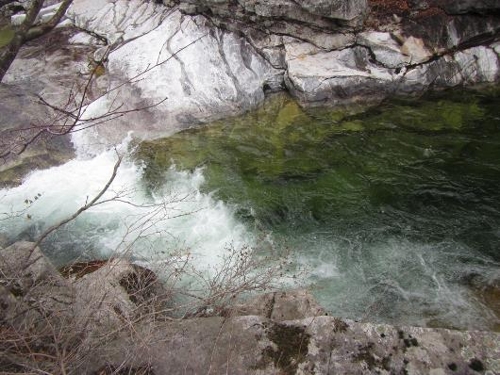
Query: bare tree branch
x=9, y=52
x=82, y=209
x=70, y=117
x=44, y=28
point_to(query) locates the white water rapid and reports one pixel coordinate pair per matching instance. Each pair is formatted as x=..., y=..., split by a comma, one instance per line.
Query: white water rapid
x=148, y=227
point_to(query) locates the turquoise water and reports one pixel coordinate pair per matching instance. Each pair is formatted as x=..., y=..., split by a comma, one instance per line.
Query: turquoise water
x=391, y=213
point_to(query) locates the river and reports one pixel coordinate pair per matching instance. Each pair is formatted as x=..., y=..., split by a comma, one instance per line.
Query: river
x=388, y=214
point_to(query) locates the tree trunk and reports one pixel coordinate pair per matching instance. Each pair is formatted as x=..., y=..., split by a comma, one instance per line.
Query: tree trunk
x=27, y=32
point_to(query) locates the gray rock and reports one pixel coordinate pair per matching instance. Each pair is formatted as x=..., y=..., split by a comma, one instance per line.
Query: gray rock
x=20, y=107
x=385, y=48
x=468, y=31
x=443, y=33
x=117, y=292
x=286, y=305
x=54, y=68
x=25, y=261
x=466, y=6
x=292, y=338
x=4, y=240
x=317, y=345
x=478, y=65
x=471, y=66
x=114, y=21
x=337, y=77
x=186, y=72
x=32, y=286
x=305, y=11
x=192, y=69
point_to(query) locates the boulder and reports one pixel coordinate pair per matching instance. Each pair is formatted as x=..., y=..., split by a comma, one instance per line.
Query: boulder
x=116, y=293
x=32, y=287
x=25, y=261
x=4, y=240
x=316, y=345
x=337, y=77
x=182, y=73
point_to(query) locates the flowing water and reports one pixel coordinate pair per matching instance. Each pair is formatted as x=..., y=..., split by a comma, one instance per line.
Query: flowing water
x=390, y=214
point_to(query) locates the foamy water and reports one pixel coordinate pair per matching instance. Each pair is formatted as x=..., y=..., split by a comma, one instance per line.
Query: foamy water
x=130, y=220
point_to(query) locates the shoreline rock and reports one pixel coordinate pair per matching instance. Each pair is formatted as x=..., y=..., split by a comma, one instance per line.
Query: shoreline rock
x=193, y=62
x=282, y=332
x=220, y=58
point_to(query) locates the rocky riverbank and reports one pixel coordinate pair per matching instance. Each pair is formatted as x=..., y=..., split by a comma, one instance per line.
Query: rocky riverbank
x=114, y=315
x=190, y=62
x=208, y=60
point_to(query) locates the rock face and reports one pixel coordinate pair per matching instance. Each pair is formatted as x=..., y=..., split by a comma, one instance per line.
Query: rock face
x=182, y=72
x=22, y=118
x=309, y=12
x=195, y=61
x=169, y=67
x=56, y=68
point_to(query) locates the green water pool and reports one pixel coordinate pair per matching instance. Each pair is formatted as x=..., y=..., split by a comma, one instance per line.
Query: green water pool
x=392, y=212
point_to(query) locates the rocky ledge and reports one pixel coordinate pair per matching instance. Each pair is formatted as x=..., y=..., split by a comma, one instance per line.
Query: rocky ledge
x=208, y=59
x=168, y=67
x=115, y=315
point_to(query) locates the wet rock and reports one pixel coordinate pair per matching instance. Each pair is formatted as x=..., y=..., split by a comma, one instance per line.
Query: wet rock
x=287, y=305
x=54, y=68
